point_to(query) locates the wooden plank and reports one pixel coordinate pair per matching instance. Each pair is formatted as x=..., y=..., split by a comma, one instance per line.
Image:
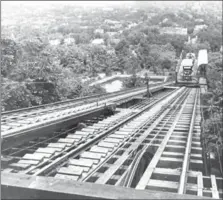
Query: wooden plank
x=196, y=155
x=177, y=141
x=72, y=167
x=196, y=161
x=172, y=153
x=88, y=130
x=31, y=162
x=67, y=177
x=80, y=162
x=198, y=144
x=19, y=166
x=200, y=184
x=163, y=184
x=47, y=150
x=214, y=187
x=75, y=137
x=29, y=156
x=97, y=149
x=106, y=145
x=111, y=140
x=66, y=140
x=169, y=159
x=57, y=145
x=46, y=155
x=84, y=134
x=122, y=133
x=69, y=171
x=167, y=171
x=117, y=136
x=91, y=155
x=99, y=125
x=95, y=162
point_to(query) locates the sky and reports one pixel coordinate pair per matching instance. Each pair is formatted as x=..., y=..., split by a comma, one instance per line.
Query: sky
x=79, y=3
x=10, y=5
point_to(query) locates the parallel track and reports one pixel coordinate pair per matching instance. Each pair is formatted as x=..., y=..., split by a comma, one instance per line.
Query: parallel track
x=15, y=122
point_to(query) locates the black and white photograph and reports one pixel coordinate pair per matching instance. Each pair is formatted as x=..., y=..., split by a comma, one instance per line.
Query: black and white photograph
x=111, y=100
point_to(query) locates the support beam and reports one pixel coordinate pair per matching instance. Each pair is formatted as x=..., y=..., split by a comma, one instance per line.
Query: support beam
x=21, y=186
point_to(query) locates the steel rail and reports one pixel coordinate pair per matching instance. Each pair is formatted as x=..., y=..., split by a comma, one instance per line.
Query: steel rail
x=131, y=173
x=68, y=114
x=93, y=141
x=142, y=126
x=128, y=153
x=111, y=98
x=185, y=167
x=75, y=100
x=148, y=172
x=138, y=158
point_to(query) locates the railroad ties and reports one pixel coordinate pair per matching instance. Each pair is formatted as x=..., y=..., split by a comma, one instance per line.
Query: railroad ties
x=153, y=145
x=51, y=149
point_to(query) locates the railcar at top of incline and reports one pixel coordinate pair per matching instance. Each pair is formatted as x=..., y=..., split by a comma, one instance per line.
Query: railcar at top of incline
x=187, y=70
x=191, y=70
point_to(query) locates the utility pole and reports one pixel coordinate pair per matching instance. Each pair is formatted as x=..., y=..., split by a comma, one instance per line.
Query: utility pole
x=148, y=94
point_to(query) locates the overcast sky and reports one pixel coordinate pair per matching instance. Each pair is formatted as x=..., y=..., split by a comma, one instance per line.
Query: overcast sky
x=81, y=3
x=9, y=5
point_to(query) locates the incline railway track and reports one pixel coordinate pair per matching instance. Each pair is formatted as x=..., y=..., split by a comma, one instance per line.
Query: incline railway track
x=47, y=108
x=65, y=139
x=151, y=145
x=15, y=122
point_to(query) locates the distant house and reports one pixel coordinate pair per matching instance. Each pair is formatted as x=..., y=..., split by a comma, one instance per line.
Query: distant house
x=198, y=28
x=131, y=25
x=54, y=42
x=98, y=41
x=69, y=41
x=199, y=20
x=173, y=31
x=111, y=22
x=99, y=30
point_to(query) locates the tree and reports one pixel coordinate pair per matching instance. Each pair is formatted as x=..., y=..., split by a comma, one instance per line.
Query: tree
x=166, y=64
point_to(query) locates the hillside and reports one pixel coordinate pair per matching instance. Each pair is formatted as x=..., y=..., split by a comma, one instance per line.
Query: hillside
x=47, y=51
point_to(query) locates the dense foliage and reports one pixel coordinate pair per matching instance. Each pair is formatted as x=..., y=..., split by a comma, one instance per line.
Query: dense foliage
x=47, y=57
x=212, y=124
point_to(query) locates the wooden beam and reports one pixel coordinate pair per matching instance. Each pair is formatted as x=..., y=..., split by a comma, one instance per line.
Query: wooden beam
x=200, y=184
x=22, y=186
x=214, y=187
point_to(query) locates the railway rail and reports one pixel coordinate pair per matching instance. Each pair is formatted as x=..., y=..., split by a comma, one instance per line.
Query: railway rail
x=47, y=108
x=151, y=145
x=19, y=122
x=70, y=137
